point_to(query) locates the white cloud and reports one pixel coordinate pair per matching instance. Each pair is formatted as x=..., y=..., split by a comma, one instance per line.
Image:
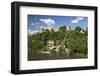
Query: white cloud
x=30, y=32
x=74, y=21
x=80, y=18
x=32, y=23
x=77, y=19
x=42, y=27
x=45, y=27
x=48, y=21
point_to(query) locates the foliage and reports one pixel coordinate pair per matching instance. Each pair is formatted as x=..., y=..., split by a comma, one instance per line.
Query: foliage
x=61, y=50
x=62, y=28
x=78, y=28
x=75, y=41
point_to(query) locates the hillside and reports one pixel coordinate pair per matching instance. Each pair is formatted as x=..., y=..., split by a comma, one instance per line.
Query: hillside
x=61, y=44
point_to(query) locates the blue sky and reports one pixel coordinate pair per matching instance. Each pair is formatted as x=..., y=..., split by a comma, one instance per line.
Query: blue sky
x=36, y=22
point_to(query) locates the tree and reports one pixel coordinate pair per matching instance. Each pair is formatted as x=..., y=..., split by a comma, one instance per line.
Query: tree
x=63, y=28
x=77, y=43
x=78, y=28
x=52, y=34
x=45, y=36
x=86, y=32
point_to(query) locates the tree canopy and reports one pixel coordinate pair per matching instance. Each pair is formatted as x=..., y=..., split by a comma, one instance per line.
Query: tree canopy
x=73, y=40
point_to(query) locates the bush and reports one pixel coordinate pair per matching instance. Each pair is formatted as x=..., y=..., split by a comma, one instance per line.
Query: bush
x=77, y=43
x=61, y=50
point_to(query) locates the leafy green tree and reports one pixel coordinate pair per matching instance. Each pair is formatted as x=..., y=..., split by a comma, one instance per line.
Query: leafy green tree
x=52, y=34
x=77, y=43
x=78, y=28
x=86, y=32
x=63, y=28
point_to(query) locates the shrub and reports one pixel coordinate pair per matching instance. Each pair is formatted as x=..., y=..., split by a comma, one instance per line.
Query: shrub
x=61, y=49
